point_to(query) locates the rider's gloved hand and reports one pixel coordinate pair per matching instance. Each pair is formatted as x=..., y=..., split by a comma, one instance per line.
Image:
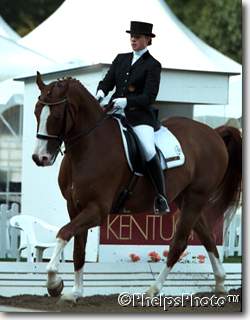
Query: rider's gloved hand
x=99, y=95
x=120, y=103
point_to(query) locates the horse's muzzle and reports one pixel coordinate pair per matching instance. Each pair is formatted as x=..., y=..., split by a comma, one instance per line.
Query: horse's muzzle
x=41, y=162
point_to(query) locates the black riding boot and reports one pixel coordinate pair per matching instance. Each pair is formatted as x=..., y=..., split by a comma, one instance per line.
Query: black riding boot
x=156, y=176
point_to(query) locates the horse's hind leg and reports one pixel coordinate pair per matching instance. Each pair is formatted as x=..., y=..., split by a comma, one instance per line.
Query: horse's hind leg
x=80, y=241
x=204, y=233
x=190, y=213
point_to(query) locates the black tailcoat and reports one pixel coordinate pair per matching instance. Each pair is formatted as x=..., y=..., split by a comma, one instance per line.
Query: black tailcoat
x=139, y=83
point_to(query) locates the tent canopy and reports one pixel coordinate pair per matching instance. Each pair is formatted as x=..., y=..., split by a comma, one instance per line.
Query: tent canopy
x=15, y=59
x=94, y=32
x=11, y=93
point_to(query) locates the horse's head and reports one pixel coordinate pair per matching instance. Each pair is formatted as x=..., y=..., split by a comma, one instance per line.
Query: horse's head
x=53, y=121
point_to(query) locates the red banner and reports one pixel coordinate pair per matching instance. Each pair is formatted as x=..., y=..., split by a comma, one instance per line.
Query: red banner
x=145, y=229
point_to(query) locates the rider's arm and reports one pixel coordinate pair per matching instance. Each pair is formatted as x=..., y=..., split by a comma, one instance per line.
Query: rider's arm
x=108, y=82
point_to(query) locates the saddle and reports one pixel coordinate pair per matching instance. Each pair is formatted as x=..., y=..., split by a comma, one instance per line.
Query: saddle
x=167, y=147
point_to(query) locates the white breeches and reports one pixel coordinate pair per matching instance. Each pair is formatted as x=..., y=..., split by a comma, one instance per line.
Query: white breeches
x=145, y=134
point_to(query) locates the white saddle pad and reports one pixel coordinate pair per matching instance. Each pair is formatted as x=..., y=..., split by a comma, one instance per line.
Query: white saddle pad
x=171, y=151
x=172, y=154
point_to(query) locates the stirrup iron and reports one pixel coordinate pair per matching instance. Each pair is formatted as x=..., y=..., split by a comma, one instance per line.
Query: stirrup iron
x=161, y=205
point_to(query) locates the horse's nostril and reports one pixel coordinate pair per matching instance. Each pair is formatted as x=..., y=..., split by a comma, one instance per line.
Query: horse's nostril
x=44, y=158
x=35, y=157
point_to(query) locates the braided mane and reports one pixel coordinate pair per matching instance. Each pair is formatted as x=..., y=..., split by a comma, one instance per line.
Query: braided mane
x=71, y=81
x=76, y=84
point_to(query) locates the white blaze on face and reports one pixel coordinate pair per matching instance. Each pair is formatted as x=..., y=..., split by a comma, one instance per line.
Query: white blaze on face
x=41, y=145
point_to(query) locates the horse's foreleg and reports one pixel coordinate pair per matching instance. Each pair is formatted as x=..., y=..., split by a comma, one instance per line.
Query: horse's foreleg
x=205, y=235
x=78, y=227
x=79, y=259
x=55, y=283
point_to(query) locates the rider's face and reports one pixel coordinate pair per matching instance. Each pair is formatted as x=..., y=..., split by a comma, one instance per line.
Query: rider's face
x=139, y=41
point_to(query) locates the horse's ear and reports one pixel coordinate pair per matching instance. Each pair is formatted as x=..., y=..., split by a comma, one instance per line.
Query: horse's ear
x=39, y=81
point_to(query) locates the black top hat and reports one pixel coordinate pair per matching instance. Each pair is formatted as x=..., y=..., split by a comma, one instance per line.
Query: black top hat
x=137, y=27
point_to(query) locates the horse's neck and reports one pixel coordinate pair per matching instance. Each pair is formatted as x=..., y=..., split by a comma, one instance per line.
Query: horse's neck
x=89, y=111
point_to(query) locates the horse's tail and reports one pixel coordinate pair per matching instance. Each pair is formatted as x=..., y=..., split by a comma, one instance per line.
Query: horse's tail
x=226, y=198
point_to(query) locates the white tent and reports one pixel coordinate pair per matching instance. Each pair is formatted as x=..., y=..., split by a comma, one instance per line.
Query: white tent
x=94, y=31
x=15, y=59
x=7, y=31
x=11, y=93
x=222, y=112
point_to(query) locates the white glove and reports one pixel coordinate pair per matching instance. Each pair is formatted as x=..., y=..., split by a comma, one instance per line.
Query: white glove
x=120, y=103
x=100, y=95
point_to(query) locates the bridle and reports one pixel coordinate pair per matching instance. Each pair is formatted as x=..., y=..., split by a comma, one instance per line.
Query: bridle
x=51, y=136
x=61, y=137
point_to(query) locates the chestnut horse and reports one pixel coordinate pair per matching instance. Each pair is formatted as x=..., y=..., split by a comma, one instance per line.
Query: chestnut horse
x=94, y=170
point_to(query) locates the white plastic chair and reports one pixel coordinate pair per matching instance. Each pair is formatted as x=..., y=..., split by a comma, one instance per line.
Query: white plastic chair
x=36, y=236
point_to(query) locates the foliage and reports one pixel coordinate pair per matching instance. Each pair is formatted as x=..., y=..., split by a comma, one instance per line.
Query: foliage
x=217, y=22
x=24, y=16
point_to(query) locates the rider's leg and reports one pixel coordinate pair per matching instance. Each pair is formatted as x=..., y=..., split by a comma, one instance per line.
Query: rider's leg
x=145, y=133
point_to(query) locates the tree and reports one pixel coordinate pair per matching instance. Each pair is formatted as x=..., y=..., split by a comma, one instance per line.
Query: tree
x=24, y=16
x=217, y=22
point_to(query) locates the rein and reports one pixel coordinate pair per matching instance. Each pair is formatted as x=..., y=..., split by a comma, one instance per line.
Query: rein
x=74, y=139
x=107, y=116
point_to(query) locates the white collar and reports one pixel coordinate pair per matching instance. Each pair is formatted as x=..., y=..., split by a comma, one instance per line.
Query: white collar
x=139, y=53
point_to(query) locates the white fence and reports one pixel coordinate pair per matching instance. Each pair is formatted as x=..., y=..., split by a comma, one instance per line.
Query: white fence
x=10, y=237
x=111, y=278
x=233, y=237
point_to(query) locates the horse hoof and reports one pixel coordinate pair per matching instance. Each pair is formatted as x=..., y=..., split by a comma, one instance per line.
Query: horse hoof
x=220, y=289
x=151, y=292
x=56, y=291
x=69, y=298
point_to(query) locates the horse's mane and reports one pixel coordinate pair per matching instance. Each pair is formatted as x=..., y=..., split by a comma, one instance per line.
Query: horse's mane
x=73, y=82
x=76, y=84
